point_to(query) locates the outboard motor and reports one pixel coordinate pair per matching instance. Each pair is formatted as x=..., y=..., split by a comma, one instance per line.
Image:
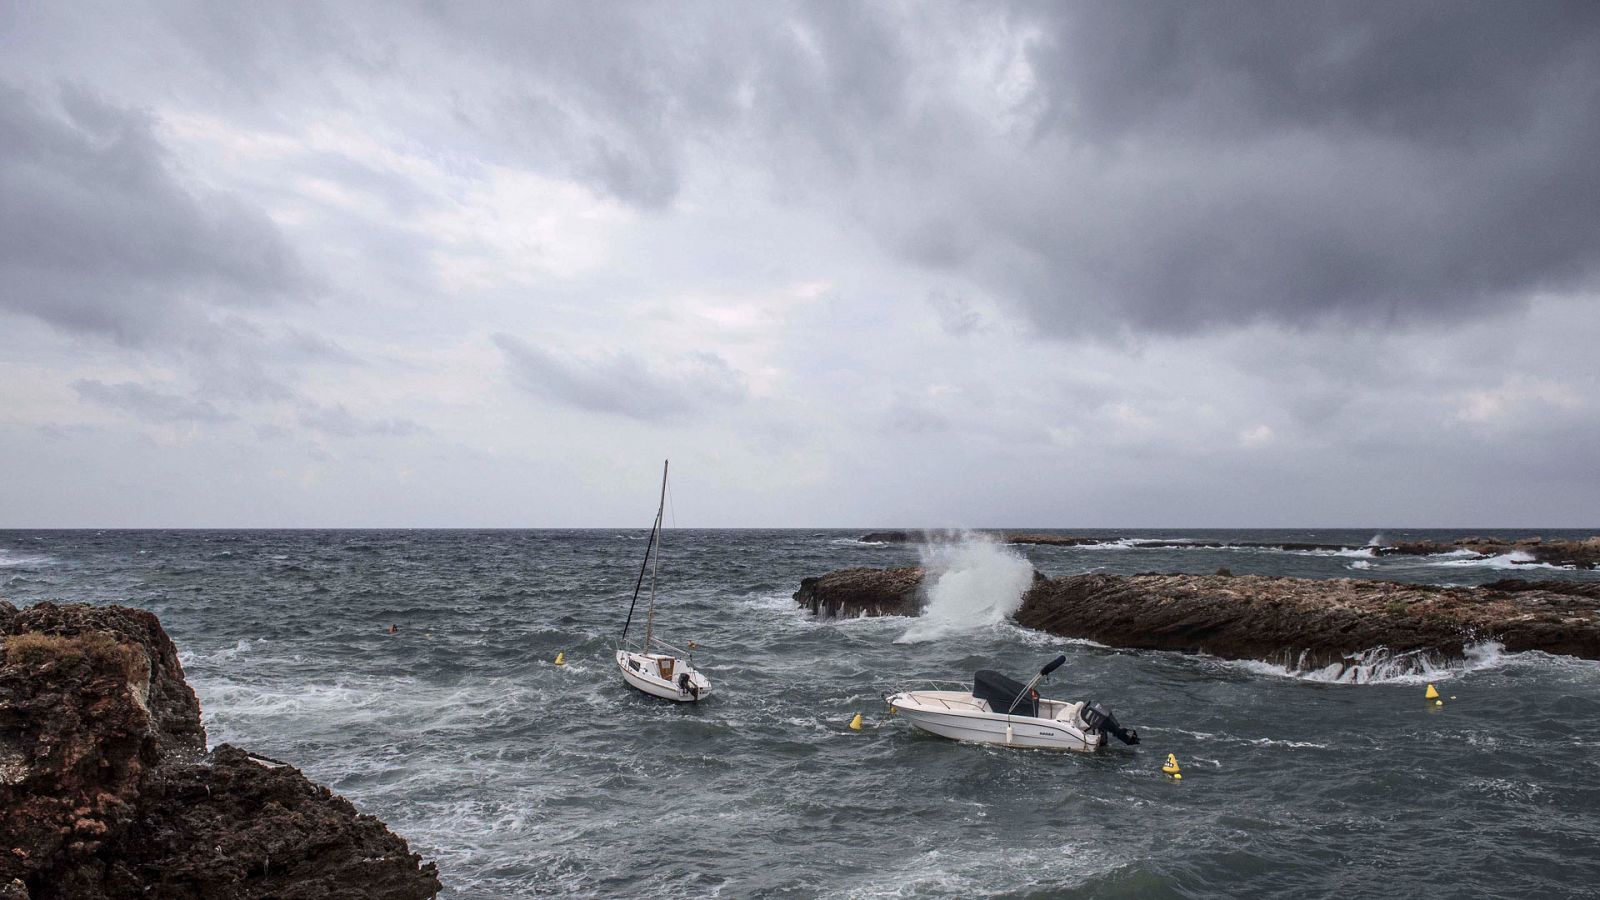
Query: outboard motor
x=1099, y=718
x=688, y=686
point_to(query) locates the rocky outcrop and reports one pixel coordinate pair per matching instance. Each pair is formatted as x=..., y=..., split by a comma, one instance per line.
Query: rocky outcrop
x=1306, y=621
x=891, y=537
x=1584, y=554
x=106, y=789
x=863, y=592
x=1309, y=621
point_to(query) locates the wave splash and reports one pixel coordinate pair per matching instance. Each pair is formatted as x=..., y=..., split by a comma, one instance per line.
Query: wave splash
x=1382, y=666
x=973, y=583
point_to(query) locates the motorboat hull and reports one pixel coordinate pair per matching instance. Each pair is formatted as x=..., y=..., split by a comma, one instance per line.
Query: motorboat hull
x=959, y=717
x=645, y=672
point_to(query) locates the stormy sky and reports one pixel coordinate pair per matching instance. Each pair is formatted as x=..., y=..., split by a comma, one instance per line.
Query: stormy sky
x=1115, y=264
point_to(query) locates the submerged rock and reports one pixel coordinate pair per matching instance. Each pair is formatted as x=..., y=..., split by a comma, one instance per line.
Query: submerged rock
x=106, y=790
x=1302, y=620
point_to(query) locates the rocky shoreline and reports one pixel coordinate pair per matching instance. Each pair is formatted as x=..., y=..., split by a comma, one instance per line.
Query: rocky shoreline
x=1584, y=554
x=1302, y=621
x=107, y=790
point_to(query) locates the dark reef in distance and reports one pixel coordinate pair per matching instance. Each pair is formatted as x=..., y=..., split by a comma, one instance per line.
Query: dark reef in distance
x=1300, y=621
x=106, y=788
x=1584, y=554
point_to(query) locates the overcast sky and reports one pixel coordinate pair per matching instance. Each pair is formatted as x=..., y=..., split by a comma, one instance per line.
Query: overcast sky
x=1114, y=264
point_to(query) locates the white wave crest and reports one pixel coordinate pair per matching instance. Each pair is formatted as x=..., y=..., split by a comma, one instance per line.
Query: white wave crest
x=1516, y=559
x=189, y=659
x=1380, y=666
x=973, y=583
x=8, y=559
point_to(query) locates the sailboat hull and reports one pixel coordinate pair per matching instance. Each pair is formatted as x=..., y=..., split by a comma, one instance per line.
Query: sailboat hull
x=644, y=672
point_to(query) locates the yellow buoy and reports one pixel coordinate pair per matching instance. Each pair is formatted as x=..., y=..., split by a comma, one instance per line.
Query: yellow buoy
x=1171, y=767
x=1438, y=703
x=1432, y=693
x=561, y=659
x=855, y=724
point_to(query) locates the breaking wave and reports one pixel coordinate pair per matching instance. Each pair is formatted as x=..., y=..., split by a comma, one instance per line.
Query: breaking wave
x=1516, y=559
x=8, y=559
x=974, y=583
x=1381, y=666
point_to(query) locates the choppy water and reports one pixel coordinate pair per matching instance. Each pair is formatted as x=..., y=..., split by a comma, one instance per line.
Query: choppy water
x=524, y=779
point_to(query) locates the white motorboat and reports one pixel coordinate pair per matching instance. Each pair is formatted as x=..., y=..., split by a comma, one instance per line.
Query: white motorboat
x=997, y=710
x=655, y=666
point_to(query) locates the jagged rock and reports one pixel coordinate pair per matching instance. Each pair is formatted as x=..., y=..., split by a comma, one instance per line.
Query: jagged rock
x=1308, y=621
x=104, y=792
x=275, y=834
x=863, y=592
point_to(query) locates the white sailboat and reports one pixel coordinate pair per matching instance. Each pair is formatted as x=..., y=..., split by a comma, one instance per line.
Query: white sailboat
x=655, y=666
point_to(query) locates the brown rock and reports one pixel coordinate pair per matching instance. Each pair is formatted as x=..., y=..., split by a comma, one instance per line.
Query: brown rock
x=857, y=592
x=104, y=791
x=1298, y=620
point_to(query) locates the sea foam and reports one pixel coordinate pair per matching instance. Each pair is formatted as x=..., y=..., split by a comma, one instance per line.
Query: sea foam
x=973, y=583
x=1382, y=666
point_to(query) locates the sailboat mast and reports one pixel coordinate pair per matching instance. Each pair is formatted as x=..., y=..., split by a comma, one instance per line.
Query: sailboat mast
x=650, y=617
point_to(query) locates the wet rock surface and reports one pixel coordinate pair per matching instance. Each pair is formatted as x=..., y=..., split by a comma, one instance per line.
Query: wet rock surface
x=863, y=592
x=106, y=789
x=1300, y=620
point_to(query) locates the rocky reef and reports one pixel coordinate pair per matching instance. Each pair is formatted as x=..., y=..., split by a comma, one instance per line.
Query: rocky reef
x=1584, y=554
x=106, y=788
x=863, y=592
x=1305, y=621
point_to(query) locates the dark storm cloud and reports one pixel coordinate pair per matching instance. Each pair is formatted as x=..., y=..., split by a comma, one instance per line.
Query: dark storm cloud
x=98, y=234
x=1166, y=167
x=149, y=404
x=1370, y=162
x=1179, y=167
x=622, y=384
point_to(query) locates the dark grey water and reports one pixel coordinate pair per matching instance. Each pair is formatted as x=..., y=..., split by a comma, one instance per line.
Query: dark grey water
x=524, y=779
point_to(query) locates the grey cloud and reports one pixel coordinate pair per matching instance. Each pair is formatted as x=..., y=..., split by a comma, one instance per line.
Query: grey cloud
x=338, y=421
x=98, y=234
x=623, y=385
x=148, y=403
x=1188, y=167
x=1205, y=165
x=1175, y=168
x=956, y=314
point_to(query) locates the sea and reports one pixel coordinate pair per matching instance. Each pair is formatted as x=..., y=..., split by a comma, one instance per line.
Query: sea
x=522, y=778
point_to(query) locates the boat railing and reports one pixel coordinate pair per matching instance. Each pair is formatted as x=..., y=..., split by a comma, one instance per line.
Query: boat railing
x=937, y=685
x=675, y=650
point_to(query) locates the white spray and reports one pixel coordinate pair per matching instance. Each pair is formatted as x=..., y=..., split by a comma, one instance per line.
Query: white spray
x=973, y=583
